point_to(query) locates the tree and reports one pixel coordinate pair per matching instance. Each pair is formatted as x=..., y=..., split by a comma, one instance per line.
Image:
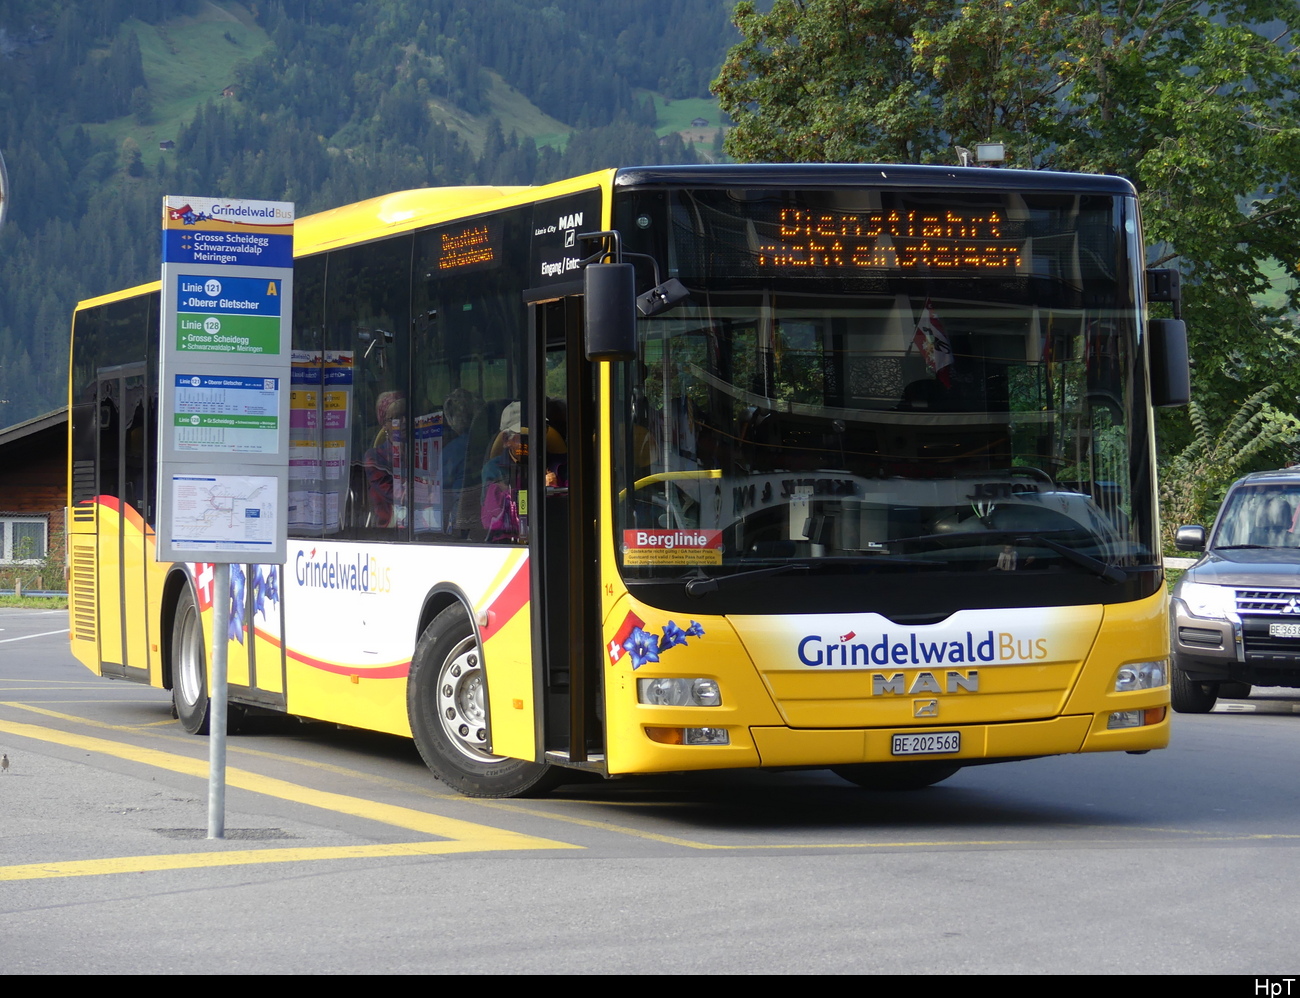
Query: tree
x=1198, y=103
x=1199, y=475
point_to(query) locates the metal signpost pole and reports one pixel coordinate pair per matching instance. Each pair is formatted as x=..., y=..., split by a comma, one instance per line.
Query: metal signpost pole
x=219, y=711
x=4, y=190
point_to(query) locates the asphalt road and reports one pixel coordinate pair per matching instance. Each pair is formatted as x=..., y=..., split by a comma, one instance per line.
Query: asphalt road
x=345, y=856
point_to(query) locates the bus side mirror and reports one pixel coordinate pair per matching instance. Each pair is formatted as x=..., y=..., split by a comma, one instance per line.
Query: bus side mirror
x=1171, y=376
x=610, y=308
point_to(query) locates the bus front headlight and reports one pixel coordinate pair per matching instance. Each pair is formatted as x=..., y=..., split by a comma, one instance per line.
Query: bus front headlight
x=672, y=692
x=1141, y=676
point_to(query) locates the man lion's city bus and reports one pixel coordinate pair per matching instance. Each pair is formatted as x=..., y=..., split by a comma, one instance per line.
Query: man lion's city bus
x=667, y=469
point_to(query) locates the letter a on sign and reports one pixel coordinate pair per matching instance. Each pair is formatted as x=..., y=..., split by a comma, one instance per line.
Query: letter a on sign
x=270, y=289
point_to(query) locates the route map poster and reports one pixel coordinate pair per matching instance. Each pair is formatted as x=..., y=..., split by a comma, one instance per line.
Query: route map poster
x=227, y=512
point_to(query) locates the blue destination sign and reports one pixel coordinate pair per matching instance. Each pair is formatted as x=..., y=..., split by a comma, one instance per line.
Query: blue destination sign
x=235, y=249
x=228, y=295
x=201, y=381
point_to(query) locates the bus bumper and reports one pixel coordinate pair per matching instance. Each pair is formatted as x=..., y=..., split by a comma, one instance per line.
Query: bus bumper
x=1021, y=739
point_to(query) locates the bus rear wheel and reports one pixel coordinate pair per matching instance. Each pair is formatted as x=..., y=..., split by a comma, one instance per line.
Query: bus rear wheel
x=189, y=667
x=446, y=700
x=896, y=775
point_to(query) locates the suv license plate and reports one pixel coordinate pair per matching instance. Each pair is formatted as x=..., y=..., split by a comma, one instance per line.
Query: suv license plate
x=930, y=743
x=1284, y=630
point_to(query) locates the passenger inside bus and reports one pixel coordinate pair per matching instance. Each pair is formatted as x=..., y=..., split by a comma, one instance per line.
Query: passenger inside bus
x=460, y=485
x=504, y=477
x=384, y=457
x=505, y=472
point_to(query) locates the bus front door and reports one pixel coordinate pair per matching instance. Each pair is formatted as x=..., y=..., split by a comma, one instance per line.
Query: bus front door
x=566, y=621
x=125, y=432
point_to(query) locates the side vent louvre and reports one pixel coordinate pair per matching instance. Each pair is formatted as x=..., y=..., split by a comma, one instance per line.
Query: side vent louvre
x=81, y=590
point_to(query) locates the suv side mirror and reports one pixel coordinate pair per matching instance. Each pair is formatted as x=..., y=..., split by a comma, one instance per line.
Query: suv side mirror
x=1190, y=538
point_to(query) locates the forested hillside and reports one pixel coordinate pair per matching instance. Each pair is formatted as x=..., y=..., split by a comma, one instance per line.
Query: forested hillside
x=320, y=102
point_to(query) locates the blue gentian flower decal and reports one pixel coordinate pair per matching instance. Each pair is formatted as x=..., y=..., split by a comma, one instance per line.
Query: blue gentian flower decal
x=237, y=581
x=673, y=635
x=264, y=588
x=259, y=592
x=642, y=647
x=695, y=630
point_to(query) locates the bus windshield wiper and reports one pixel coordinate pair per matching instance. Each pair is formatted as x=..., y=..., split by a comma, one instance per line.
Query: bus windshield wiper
x=1108, y=572
x=702, y=587
x=1086, y=561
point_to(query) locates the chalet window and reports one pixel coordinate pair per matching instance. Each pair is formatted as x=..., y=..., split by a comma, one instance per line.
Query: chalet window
x=23, y=539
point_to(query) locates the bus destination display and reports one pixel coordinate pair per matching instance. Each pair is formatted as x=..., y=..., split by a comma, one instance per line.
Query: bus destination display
x=895, y=239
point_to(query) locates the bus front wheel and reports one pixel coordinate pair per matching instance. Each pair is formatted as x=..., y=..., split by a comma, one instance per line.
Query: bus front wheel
x=896, y=775
x=446, y=700
x=189, y=667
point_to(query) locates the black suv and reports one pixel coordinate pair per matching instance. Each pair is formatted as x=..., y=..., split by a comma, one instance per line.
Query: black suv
x=1236, y=613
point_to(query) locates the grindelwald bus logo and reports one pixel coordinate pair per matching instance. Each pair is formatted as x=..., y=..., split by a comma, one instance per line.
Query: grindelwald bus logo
x=359, y=573
x=909, y=649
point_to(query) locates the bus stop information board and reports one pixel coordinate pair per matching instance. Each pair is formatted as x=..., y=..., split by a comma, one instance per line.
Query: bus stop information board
x=223, y=440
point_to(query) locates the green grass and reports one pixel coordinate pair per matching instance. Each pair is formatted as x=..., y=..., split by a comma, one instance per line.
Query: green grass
x=515, y=112
x=34, y=602
x=677, y=115
x=187, y=62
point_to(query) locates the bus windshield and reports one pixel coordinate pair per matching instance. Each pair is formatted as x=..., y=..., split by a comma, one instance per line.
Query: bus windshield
x=889, y=382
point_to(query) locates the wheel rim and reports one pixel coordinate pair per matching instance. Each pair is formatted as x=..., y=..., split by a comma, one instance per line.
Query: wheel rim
x=190, y=671
x=461, y=701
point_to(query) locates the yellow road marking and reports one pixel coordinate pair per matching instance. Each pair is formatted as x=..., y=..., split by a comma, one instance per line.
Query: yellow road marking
x=235, y=857
x=234, y=749
x=675, y=840
x=90, y=684
x=46, y=712
x=509, y=806
x=50, y=689
x=485, y=836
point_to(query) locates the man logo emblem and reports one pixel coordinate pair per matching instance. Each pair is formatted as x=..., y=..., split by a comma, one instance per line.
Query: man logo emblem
x=925, y=708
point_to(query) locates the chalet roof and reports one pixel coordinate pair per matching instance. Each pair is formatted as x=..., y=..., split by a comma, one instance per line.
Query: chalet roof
x=29, y=428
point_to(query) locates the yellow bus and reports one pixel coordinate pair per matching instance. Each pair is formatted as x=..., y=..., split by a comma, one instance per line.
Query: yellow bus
x=866, y=481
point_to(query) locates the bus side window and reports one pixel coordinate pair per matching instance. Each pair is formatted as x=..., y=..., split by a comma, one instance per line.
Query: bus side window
x=367, y=321
x=469, y=360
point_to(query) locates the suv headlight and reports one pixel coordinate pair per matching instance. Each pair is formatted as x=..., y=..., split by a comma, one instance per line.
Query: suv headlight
x=1212, y=602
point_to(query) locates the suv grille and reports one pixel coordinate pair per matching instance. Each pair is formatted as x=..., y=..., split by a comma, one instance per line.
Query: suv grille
x=1260, y=607
x=1268, y=601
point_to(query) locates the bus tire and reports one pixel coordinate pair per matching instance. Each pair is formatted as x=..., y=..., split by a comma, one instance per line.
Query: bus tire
x=446, y=705
x=1187, y=696
x=189, y=666
x=896, y=775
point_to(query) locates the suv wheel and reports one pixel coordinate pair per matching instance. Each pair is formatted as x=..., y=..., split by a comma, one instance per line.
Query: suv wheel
x=1189, y=696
